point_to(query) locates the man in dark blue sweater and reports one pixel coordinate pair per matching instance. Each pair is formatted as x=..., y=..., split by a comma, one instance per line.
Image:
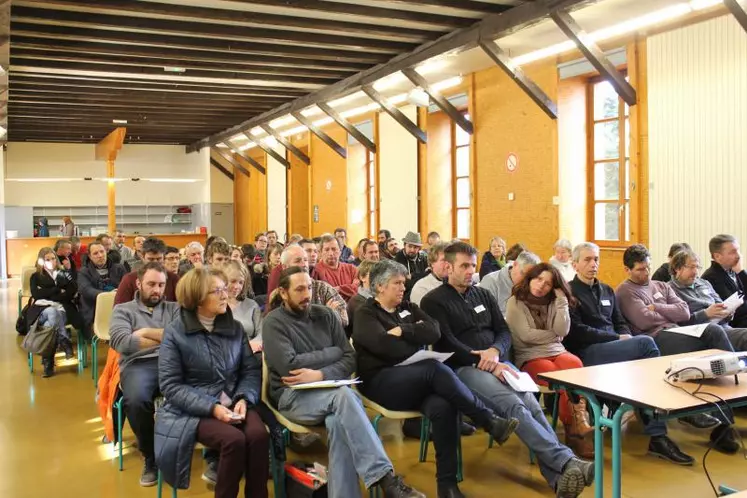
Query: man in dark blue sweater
x=473, y=328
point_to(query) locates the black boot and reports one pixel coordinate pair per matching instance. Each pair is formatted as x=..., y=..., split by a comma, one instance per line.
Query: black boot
x=700, y=421
x=48, y=364
x=449, y=491
x=666, y=449
x=67, y=347
x=394, y=487
x=501, y=428
x=724, y=440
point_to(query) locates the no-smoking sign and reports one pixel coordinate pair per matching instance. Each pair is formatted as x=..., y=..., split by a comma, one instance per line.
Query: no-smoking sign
x=512, y=162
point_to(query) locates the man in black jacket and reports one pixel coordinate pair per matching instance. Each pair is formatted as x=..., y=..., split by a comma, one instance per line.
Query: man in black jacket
x=600, y=335
x=98, y=275
x=726, y=274
x=473, y=328
x=414, y=259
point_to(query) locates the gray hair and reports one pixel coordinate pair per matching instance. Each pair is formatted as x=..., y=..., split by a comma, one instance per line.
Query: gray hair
x=383, y=271
x=194, y=246
x=576, y=255
x=718, y=241
x=527, y=258
x=563, y=243
x=285, y=256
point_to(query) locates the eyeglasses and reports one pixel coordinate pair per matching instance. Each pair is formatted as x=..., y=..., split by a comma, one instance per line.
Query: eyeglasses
x=219, y=291
x=694, y=267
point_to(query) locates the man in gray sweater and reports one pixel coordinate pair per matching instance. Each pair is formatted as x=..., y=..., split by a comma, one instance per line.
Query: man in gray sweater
x=304, y=343
x=501, y=283
x=136, y=331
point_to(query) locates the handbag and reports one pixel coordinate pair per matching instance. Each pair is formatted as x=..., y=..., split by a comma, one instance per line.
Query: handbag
x=42, y=341
x=301, y=481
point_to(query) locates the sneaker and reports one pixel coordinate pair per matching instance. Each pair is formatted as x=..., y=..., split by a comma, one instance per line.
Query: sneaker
x=571, y=482
x=394, y=487
x=666, y=449
x=586, y=468
x=700, y=421
x=149, y=477
x=724, y=439
x=210, y=475
x=501, y=428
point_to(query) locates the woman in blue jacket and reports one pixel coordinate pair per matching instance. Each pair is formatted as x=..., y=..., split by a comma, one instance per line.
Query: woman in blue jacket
x=211, y=382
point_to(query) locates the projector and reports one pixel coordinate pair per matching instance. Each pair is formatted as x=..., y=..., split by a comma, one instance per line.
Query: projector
x=708, y=367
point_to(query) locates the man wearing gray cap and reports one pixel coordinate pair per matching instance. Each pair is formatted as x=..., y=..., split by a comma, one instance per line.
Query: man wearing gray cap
x=414, y=259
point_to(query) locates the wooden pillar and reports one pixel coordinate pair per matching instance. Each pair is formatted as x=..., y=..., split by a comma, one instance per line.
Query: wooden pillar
x=111, y=194
x=107, y=150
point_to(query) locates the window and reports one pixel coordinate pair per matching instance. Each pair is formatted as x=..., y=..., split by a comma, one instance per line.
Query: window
x=371, y=192
x=462, y=197
x=609, y=164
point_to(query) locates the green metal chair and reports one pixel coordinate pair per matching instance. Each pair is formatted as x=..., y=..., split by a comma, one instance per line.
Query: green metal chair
x=25, y=290
x=81, y=353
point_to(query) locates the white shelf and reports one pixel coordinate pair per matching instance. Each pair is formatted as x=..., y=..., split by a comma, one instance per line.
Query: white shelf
x=128, y=217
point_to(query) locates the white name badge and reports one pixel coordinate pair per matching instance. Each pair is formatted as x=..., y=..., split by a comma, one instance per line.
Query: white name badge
x=404, y=314
x=658, y=296
x=479, y=309
x=606, y=302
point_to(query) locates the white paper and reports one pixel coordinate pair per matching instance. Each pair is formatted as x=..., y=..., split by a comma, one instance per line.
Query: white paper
x=425, y=354
x=326, y=384
x=691, y=330
x=733, y=302
x=524, y=384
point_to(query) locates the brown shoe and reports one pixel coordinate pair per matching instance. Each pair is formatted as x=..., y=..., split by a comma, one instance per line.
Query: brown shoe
x=580, y=420
x=582, y=447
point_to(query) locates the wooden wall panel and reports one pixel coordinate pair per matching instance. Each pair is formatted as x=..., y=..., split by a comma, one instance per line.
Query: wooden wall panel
x=438, y=176
x=250, y=200
x=357, y=172
x=328, y=182
x=298, y=198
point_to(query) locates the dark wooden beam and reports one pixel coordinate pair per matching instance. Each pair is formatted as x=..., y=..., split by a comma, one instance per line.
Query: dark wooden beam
x=268, y=150
x=357, y=134
x=342, y=151
x=441, y=101
x=595, y=55
x=221, y=168
x=491, y=27
x=395, y=113
x=233, y=162
x=738, y=12
x=467, y=5
x=525, y=82
x=287, y=144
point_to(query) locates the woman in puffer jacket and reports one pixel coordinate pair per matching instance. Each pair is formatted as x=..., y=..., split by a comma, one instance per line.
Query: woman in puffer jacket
x=211, y=382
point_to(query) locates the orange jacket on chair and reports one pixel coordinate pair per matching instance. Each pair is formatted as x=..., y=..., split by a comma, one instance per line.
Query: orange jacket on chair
x=108, y=386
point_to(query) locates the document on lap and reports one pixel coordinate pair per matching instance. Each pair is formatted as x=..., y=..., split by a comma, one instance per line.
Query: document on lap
x=522, y=384
x=733, y=302
x=423, y=355
x=326, y=384
x=691, y=330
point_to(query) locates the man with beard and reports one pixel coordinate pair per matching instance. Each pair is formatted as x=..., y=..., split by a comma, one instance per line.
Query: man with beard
x=136, y=334
x=412, y=258
x=304, y=343
x=152, y=251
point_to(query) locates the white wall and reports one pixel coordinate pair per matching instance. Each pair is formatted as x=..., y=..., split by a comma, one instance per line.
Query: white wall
x=50, y=160
x=697, y=78
x=398, y=175
x=277, y=214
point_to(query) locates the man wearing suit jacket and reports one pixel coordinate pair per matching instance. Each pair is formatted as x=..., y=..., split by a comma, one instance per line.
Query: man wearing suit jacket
x=726, y=274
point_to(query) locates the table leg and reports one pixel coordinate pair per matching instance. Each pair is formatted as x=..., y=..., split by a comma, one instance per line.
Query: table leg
x=596, y=409
x=617, y=449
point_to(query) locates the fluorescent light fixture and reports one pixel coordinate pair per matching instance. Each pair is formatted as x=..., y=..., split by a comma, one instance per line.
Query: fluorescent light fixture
x=119, y=121
x=41, y=180
x=174, y=69
x=657, y=17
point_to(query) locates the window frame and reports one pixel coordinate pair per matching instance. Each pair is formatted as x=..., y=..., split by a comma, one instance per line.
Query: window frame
x=624, y=199
x=372, y=208
x=454, y=181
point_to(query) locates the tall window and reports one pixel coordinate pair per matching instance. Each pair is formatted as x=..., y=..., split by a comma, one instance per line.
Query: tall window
x=371, y=191
x=609, y=164
x=462, y=189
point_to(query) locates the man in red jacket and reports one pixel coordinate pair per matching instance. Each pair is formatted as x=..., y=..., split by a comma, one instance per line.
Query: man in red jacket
x=341, y=276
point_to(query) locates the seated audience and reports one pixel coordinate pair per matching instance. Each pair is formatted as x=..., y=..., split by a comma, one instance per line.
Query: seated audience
x=561, y=259
x=78, y=250
x=705, y=305
x=125, y=252
x=245, y=310
x=153, y=250
x=726, y=273
x=389, y=330
x=260, y=244
x=370, y=251
x=359, y=252
x=383, y=236
x=364, y=293
x=211, y=383
x=537, y=314
x=194, y=253
x=63, y=249
x=106, y=241
x=98, y=275
x=501, y=283
x=412, y=258
x=272, y=238
x=473, y=328
x=392, y=248
x=600, y=335
x=321, y=292
x=136, y=330
x=217, y=254
x=304, y=342
x=653, y=308
x=513, y=252
x=341, y=276
x=294, y=239
x=435, y=276
x=53, y=291
x=171, y=260
x=432, y=239
x=273, y=257
x=137, y=254
x=346, y=254
x=493, y=259
x=312, y=253
x=237, y=254
x=662, y=273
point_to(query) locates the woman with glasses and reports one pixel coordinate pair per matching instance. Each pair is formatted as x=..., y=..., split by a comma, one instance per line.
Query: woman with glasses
x=211, y=382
